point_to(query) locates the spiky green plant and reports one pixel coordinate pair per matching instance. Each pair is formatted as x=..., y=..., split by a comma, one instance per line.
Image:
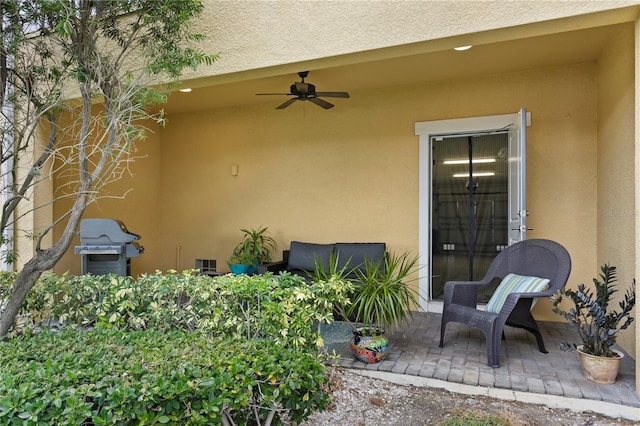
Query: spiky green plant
x=333, y=271
x=382, y=295
x=597, y=324
x=257, y=244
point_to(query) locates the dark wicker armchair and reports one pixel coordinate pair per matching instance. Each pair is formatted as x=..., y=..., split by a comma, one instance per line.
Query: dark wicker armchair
x=537, y=258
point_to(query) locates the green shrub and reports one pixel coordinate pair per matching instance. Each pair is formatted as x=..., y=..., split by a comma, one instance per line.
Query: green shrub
x=108, y=376
x=282, y=307
x=6, y=282
x=168, y=348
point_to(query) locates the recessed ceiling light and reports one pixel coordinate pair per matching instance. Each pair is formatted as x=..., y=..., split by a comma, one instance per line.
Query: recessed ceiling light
x=459, y=175
x=185, y=90
x=461, y=48
x=474, y=161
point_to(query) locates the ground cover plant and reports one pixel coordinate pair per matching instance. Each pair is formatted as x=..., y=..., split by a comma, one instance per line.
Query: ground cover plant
x=167, y=349
x=106, y=376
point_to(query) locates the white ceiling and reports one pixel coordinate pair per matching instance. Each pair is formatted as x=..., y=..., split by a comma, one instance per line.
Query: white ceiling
x=508, y=56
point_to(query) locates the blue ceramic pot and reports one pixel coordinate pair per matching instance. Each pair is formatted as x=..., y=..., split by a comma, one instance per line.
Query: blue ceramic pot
x=238, y=268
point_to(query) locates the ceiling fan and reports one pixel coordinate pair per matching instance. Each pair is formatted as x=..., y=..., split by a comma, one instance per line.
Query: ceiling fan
x=307, y=92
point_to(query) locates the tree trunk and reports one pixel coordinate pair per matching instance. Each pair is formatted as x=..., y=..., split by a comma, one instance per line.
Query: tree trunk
x=24, y=282
x=40, y=262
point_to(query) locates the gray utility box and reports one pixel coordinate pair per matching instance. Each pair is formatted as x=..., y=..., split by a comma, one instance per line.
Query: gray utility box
x=106, y=247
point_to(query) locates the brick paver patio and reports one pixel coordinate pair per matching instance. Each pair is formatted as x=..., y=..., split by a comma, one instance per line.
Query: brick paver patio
x=414, y=351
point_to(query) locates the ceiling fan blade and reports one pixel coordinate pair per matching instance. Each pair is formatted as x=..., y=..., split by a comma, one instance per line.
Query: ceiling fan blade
x=332, y=94
x=321, y=103
x=273, y=94
x=287, y=103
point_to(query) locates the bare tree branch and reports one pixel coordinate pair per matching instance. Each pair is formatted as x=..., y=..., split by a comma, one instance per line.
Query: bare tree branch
x=107, y=52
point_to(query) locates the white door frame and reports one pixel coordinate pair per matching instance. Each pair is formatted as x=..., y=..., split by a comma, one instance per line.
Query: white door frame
x=426, y=130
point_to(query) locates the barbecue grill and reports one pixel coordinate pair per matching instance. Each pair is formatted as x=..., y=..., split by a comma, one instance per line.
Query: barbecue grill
x=106, y=247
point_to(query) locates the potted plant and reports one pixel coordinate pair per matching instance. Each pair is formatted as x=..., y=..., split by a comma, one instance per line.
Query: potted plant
x=239, y=263
x=598, y=323
x=381, y=300
x=256, y=246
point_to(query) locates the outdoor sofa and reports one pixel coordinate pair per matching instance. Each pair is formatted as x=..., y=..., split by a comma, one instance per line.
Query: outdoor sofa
x=301, y=257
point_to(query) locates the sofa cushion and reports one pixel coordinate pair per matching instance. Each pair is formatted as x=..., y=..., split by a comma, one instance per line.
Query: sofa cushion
x=355, y=253
x=302, y=256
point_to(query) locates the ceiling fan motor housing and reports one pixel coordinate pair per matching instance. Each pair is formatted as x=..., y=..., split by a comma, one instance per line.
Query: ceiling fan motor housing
x=303, y=89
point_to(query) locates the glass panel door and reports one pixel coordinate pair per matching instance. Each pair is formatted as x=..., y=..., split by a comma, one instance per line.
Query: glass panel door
x=470, y=193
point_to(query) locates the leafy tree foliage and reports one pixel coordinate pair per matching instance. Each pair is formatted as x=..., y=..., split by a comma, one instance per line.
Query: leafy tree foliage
x=59, y=58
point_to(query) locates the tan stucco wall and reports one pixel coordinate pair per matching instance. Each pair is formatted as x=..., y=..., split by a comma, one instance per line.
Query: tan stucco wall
x=350, y=173
x=636, y=327
x=134, y=199
x=32, y=216
x=616, y=214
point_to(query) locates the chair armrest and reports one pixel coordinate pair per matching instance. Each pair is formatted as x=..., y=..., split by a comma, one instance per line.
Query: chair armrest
x=512, y=300
x=463, y=292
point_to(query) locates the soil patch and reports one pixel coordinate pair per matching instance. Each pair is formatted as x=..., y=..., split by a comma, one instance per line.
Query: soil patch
x=358, y=400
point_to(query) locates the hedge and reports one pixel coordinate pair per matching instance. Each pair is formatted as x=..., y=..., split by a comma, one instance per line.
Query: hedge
x=168, y=349
x=106, y=376
x=282, y=307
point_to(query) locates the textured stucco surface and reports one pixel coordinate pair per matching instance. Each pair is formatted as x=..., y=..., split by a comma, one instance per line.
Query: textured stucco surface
x=253, y=35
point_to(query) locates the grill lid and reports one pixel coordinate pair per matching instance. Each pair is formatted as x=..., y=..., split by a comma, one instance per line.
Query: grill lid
x=105, y=232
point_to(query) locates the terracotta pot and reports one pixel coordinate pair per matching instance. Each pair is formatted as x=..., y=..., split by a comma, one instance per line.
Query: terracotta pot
x=369, y=348
x=600, y=369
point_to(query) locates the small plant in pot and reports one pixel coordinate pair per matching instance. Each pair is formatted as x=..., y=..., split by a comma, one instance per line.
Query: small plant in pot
x=598, y=323
x=239, y=263
x=255, y=248
x=381, y=300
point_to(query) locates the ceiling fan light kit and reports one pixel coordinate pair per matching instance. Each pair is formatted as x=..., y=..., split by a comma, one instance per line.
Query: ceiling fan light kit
x=302, y=91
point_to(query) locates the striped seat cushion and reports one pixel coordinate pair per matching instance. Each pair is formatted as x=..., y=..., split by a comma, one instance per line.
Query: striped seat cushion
x=513, y=283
